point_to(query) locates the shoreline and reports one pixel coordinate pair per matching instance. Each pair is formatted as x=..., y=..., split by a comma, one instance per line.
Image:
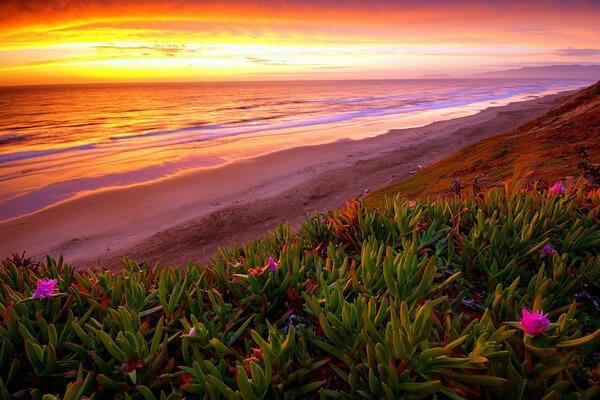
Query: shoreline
x=34, y=179
x=188, y=216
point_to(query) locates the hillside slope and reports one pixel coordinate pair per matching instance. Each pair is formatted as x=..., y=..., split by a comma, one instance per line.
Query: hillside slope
x=545, y=149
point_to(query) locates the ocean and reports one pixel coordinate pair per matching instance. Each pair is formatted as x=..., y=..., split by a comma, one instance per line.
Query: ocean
x=57, y=142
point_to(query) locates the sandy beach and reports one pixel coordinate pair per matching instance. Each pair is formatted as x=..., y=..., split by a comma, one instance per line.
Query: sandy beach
x=188, y=216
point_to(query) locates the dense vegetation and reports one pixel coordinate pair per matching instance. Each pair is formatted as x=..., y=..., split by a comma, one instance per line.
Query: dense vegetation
x=406, y=301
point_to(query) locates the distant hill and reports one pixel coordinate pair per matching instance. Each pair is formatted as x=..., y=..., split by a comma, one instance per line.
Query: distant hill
x=545, y=149
x=436, y=76
x=584, y=72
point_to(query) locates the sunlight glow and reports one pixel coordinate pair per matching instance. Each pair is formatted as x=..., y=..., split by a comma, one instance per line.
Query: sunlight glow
x=241, y=41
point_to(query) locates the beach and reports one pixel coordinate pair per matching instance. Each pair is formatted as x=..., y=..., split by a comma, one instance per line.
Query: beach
x=186, y=217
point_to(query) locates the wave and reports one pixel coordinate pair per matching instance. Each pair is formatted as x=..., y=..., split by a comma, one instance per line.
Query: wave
x=376, y=111
x=39, y=153
x=11, y=138
x=292, y=119
x=243, y=107
x=197, y=127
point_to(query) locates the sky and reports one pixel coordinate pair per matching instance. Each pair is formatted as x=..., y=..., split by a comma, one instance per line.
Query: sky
x=87, y=41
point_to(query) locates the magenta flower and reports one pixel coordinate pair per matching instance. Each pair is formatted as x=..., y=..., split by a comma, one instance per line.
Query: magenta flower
x=547, y=250
x=272, y=265
x=192, y=332
x=558, y=188
x=533, y=323
x=45, y=288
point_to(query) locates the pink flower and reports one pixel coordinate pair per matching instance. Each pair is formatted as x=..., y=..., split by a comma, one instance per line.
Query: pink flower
x=192, y=332
x=272, y=265
x=533, y=323
x=45, y=288
x=558, y=188
x=547, y=250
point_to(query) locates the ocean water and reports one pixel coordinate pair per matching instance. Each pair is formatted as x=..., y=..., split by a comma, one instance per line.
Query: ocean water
x=57, y=142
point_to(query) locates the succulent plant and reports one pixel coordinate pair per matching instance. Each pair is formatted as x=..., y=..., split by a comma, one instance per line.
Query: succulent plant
x=402, y=301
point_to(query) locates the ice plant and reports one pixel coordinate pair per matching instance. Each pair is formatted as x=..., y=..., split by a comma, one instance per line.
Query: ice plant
x=45, y=288
x=547, y=250
x=272, y=265
x=533, y=323
x=558, y=188
x=192, y=332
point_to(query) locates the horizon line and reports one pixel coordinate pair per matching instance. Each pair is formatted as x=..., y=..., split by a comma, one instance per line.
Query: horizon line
x=423, y=78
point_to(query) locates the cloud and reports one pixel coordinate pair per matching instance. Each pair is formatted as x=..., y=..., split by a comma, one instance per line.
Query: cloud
x=334, y=67
x=265, y=61
x=170, y=50
x=572, y=52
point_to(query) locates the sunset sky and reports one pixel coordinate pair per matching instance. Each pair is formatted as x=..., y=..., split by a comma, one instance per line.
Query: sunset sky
x=46, y=42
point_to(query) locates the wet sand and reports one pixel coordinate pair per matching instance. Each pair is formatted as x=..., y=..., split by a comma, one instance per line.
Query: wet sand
x=188, y=216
